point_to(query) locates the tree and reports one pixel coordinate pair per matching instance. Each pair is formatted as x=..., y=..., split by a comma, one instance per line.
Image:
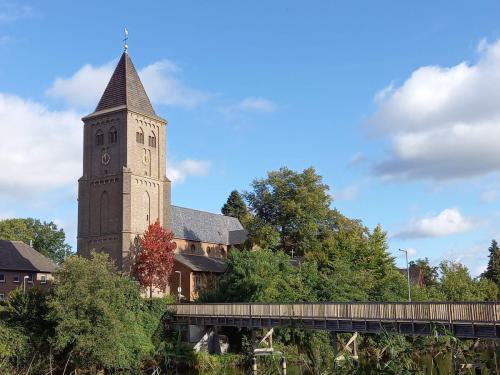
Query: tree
x=293, y=205
x=45, y=237
x=235, y=206
x=155, y=259
x=430, y=273
x=96, y=314
x=493, y=270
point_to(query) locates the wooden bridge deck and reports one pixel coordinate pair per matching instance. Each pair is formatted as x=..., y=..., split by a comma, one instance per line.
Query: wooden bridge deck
x=462, y=319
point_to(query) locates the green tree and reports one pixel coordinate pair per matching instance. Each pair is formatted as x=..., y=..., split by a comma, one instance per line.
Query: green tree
x=96, y=312
x=295, y=206
x=45, y=237
x=259, y=276
x=235, y=206
x=457, y=284
x=430, y=273
x=493, y=270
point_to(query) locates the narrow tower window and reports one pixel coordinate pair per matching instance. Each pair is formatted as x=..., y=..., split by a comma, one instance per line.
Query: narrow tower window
x=113, y=135
x=152, y=140
x=139, y=136
x=99, y=138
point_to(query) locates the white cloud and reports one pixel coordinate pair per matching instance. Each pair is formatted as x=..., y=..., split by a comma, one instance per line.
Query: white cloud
x=489, y=196
x=357, y=159
x=348, y=193
x=251, y=105
x=447, y=222
x=84, y=88
x=178, y=172
x=41, y=149
x=163, y=86
x=443, y=122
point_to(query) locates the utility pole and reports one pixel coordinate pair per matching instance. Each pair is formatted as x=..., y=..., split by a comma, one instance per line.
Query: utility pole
x=407, y=273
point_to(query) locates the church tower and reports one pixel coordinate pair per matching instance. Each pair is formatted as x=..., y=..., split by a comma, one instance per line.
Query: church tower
x=124, y=187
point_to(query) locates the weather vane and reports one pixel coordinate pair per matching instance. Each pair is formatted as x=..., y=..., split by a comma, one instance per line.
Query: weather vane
x=125, y=46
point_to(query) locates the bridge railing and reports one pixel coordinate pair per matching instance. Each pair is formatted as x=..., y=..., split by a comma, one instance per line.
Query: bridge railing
x=484, y=312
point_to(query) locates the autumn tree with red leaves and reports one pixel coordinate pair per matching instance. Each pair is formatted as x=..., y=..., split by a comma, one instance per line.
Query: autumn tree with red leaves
x=155, y=258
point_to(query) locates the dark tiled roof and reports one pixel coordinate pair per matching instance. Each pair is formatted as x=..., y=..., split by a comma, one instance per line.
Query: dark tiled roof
x=125, y=88
x=204, y=226
x=201, y=263
x=17, y=256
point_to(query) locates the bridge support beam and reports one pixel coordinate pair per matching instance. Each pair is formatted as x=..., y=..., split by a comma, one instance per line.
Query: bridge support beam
x=335, y=344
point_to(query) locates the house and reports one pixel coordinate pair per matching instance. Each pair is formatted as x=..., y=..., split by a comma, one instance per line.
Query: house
x=23, y=266
x=416, y=275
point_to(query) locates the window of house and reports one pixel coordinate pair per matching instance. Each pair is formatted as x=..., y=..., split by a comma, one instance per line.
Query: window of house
x=2, y=277
x=193, y=248
x=2, y=296
x=17, y=278
x=43, y=279
x=30, y=278
x=99, y=138
x=113, y=135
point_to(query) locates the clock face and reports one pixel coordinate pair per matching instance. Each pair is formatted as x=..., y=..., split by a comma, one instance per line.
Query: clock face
x=105, y=158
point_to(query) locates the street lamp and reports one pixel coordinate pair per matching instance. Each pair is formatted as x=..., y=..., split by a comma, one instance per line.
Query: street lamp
x=407, y=273
x=179, y=288
x=24, y=283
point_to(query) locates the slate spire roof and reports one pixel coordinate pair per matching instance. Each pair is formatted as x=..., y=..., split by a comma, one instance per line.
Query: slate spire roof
x=125, y=89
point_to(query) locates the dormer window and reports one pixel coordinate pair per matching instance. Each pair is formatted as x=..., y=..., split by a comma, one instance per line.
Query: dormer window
x=99, y=138
x=113, y=135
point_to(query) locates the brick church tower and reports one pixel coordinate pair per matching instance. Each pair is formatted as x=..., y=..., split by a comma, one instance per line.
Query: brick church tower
x=124, y=187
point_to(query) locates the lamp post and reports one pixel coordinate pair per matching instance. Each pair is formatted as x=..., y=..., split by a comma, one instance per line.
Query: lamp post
x=407, y=273
x=24, y=283
x=179, y=288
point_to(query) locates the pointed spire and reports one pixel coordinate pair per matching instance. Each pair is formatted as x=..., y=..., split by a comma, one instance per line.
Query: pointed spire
x=125, y=89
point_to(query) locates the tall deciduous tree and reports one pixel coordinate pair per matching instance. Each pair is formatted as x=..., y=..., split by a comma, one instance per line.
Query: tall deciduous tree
x=235, y=206
x=293, y=206
x=45, y=237
x=155, y=259
x=493, y=270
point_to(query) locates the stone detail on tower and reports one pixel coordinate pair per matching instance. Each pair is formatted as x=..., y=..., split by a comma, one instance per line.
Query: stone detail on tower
x=124, y=186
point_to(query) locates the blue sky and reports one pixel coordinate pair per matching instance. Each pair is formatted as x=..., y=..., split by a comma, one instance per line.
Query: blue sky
x=396, y=104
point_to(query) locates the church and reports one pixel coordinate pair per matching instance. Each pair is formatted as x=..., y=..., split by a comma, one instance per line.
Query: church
x=124, y=188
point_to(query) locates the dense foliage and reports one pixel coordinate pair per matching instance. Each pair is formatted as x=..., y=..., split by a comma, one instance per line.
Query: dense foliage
x=45, y=237
x=155, y=258
x=93, y=319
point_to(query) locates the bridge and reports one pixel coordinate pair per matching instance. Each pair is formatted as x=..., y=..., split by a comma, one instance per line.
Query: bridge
x=461, y=319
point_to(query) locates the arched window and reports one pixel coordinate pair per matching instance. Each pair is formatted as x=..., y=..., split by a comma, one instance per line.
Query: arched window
x=139, y=136
x=99, y=138
x=152, y=140
x=104, y=213
x=113, y=135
